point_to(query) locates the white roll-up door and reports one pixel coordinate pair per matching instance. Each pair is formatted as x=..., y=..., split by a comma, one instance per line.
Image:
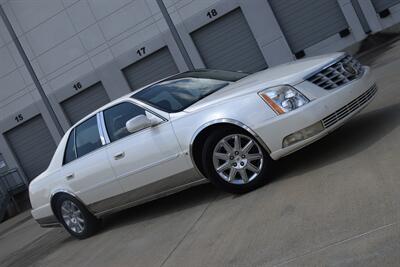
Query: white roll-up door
x=153, y=67
x=307, y=22
x=228, y=44
x=85, y=102
x=381, y=5
x=32, y=145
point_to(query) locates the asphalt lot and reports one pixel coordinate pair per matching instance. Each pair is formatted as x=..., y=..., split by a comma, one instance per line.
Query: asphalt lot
x=335, y=203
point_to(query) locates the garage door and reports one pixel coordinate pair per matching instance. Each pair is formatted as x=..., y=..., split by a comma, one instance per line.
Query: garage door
x=87, y=101
x=381, y=5
x=32, y=145
x=154, y=67
x=307, y=22
x=228, y=43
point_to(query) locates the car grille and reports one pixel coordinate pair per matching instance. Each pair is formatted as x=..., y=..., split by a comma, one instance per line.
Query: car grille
x=338, y=74
x=349, y=108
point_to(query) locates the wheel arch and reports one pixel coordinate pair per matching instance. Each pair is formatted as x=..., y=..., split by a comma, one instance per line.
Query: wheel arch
x=202, y=132
x=58, y=193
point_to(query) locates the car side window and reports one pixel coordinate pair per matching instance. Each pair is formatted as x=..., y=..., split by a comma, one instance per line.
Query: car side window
x=87, y=137
x=70, y=152
x=116, y=117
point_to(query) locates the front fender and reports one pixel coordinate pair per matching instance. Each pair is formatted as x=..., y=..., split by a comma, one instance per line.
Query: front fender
x=246, y=112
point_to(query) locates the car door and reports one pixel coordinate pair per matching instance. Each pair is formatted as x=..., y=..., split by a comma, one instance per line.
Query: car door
x=87, y=170
x=146, y=162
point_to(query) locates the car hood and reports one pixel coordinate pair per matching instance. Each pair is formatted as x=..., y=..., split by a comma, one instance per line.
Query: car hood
x=290, y=73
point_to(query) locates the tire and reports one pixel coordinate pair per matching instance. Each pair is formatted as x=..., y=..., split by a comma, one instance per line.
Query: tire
x=215, y=155
x=75, y=217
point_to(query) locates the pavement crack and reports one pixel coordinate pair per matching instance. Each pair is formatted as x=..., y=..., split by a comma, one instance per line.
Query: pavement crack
x=335, y=244
x=188, y=231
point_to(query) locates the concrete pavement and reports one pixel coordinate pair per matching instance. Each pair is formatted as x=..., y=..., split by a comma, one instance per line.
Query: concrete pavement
x=334, y=203
x=15, y=221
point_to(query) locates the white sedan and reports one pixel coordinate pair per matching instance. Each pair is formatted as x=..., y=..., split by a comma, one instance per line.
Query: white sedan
x=206, y=125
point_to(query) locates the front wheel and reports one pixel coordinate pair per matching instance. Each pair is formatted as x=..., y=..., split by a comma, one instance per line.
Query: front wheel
x=235, y=161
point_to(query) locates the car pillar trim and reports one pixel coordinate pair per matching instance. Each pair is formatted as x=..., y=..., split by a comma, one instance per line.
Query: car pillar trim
x=105, y=139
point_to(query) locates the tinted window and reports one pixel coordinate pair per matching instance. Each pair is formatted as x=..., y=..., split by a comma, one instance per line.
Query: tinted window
x=87, y=137
x=70, y=154
x=116, y=118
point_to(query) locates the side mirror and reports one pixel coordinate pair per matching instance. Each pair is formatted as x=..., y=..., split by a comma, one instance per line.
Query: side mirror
x=140, y=122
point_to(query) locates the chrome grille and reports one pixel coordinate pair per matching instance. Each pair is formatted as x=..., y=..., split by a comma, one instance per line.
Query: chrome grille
x=349, y=108
x=338, y=74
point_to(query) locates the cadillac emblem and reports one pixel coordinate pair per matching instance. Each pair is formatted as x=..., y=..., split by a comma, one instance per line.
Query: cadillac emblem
x=350, y=68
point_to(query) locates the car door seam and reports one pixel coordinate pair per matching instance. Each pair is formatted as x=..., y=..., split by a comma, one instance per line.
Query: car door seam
x=149, y=166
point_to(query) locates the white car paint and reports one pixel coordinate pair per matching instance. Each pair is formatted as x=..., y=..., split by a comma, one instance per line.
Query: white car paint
x=153, y=155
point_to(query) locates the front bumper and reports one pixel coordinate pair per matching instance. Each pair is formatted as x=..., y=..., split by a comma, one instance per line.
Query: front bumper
x=333, y=109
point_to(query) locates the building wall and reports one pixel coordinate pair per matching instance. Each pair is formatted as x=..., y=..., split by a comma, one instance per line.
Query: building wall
x=87, y=41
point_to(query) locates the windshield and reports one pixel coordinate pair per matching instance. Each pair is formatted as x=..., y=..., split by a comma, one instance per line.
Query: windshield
x=183, y=90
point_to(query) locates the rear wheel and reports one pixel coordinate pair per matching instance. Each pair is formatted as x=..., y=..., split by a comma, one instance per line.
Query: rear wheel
x=75, y=218
x=235, y=161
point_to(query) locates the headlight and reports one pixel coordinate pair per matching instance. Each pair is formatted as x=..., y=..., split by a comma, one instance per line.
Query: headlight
x=283, y=99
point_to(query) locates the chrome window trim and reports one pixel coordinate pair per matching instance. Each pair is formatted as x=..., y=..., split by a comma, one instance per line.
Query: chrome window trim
x=75, y=151
x=143, y=105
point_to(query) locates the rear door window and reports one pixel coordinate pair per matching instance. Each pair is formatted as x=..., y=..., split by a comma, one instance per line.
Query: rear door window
x=87, y=137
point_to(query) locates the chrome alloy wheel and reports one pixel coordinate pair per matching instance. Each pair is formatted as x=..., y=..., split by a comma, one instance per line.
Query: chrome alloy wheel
x=72, y=216
x=238, y=159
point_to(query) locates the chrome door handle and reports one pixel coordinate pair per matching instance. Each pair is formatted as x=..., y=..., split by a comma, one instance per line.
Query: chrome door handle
x=119, y=156
x=69, y=177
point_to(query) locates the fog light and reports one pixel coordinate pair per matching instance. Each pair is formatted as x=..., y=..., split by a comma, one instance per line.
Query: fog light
x=303, y=134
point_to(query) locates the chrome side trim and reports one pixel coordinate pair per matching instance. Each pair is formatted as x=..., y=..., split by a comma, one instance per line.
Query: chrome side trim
x=151, y=198
x=327, y=65
x=165, y=187
x=219, y=121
